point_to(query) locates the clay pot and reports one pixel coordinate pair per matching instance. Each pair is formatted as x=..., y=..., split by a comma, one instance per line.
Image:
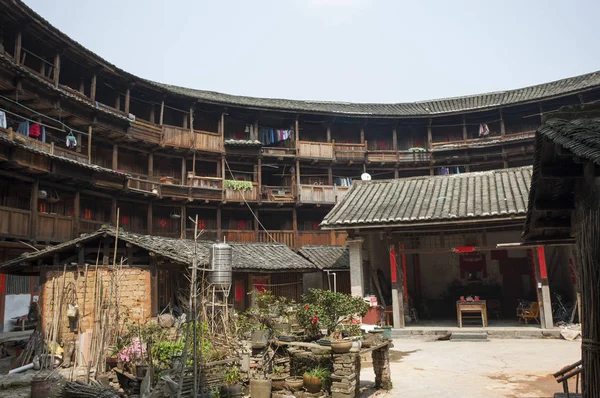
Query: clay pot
x=277, y=382
x=312, y=383
x=341, y=346
x=259, y=338
x=294, y=383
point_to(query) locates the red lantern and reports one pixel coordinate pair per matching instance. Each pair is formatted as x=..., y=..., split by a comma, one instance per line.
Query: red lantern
x=163, y=223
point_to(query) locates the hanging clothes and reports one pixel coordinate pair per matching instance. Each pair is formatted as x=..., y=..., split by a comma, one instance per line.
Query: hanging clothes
x=2, y=119
x=43, y=133
x=444, y=171
x=484, y=130
x=251, y=133
x=34, y=131
x=71, y=141
x=23, y=128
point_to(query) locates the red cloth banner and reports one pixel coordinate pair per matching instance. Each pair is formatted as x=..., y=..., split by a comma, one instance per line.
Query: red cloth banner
x=393, y=266
x=542, y=261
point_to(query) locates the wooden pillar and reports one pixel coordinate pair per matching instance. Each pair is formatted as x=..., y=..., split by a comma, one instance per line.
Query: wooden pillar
x=152, y=113
x=465, y=136
x=328, y=133
x=182, y=221
x=118, y=101
x=17, y=53
x=113, y=211
x=93, y=88
x=259, y=178
x=149, y=218
x=89, y=143
x=150, y=165
x=56, y=73
x=543, y=288
x=429, y=136
x=362, y=135
x=395, y=139
x=295, y=227
x=115, y=157
x=76, y=212
x=127, y=99
x=396, y=171
x=219, y=168
x=183, y=171
x=329, y=175
x=298, y=173
x=35, y=189
x=502, y=128
x=397, y=287
x=162, y=112
x=219, y=228
x=185, y=120
x=192, y=125
x=82, y=86
x=222, y=126
x=297, y=131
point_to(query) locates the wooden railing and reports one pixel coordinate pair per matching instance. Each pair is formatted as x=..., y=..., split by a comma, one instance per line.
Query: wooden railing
x=204, y=182
x=177, y=137
x=277, y=193
x=55, y=228
x=381, y=156
x=239, y=196
x=413, y=157
x=87, y=226
x=314, y=238
x=347, y=152
x=142, y=183
x=14, y=222
x=481, y=141
x=48, y=147
x=207, y=141
x=316, y=150
x=321, y=193
x=285, y=237
x=239, y=236
x=145, y=131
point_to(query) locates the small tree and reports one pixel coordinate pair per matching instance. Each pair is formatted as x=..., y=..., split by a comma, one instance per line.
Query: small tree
x=326, y=309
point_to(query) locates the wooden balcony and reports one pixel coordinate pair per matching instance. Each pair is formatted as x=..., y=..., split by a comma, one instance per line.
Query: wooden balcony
x=414, y=157
x=314, y=238
x=377, y=156
x=143, y=183
x=54, y=228
x=278, y=152
x=350, y=152
x=239, y=235
x=205, y=187
x=207, y=141
x=241, y=196
x=145, y=132
x=321, y=194
x=45, y=146
x=286, y=237
x=14, y=222
x=177, y=137
x=315, y=150
x=277, y=194
x=493, y=140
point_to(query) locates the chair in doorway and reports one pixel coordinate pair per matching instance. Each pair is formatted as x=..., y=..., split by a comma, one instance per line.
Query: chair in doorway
x=528, y=310
x=494, y=307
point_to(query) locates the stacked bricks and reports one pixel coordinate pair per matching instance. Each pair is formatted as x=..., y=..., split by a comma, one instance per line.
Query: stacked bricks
x=381, y=366
x=346, y=375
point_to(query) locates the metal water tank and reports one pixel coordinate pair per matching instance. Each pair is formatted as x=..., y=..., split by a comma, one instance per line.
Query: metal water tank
x=221, y=261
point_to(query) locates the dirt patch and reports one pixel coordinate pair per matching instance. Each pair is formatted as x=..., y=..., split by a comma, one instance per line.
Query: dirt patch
x=395, y=356
x=530, y=386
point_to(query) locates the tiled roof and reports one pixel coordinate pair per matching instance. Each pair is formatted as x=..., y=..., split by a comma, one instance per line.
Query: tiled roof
x=417, y=201
x=576, y=84
x=7, y=141
x=246, y=256
x=580, y=136
x=327, y=257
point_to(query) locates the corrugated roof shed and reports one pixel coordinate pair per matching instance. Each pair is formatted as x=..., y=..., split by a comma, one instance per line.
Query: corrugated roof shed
x=246, y=256
x=327, y=257
x=432, y=200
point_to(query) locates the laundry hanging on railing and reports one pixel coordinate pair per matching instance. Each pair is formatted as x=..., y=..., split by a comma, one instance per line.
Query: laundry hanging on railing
x=2, y=119
x=23, y=128
x=268, y=136
x=444, y=171
x=342, y=181
x=484, y=130
x=71, y=141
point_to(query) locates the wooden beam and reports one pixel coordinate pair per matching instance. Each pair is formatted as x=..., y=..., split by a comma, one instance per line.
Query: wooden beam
x=162, y=112
x=93, y=88
x=429, y=136
x=17, y=53
x=259, y=180
x=558, y=223
x=329, y=175
x=127, y=99
x=113, y=211
x=56, y=72
x=362, y=134
x=151, y=164
x=395, y=139
x=115, y=157
x=76, y=213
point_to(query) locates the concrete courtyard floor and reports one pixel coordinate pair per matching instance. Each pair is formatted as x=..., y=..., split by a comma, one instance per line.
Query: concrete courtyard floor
x=515, y=368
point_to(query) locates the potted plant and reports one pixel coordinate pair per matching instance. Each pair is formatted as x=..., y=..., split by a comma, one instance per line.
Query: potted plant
x=278, y=378
x=132, y=355
x=314, y=379
x=341, y=346
x=232, y=387
x=260, y=336
x=294, y=383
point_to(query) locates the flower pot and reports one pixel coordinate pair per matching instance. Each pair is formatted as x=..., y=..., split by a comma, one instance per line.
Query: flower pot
x=356, y=345
x=111, y=363
x=259, y=338
x=341, y=346
x=277, y=382
x=312, y=383
x=141, y=370
x=294, y=383
x=120, y=365
x=260, y=388
x=233, y=391
x=283, y=328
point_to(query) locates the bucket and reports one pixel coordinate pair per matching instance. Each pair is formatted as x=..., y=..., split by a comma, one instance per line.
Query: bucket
x=41, y=388
x=387, y=332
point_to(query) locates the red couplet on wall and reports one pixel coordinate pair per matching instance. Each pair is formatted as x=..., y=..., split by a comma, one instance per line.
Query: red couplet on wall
x=542, y=261
x=393, y=266
x=239, y=293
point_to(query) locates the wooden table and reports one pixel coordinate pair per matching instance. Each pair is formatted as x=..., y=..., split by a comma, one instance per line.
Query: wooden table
x=469, y=308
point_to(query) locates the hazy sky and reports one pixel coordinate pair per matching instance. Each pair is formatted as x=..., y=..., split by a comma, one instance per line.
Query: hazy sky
x=339, y=50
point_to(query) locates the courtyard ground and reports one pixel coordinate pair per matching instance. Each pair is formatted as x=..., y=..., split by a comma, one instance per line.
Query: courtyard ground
x=514, y=368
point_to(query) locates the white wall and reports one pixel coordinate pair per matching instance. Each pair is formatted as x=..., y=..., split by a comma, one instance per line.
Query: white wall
x=16, y=305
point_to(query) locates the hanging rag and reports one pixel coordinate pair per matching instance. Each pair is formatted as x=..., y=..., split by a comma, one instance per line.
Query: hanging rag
x=23, y=128
x=484, y=130
x=251, y=133
x=272, y=136
x=43, y=133
x=34, y=130
x=2, y=119
x=71, y=141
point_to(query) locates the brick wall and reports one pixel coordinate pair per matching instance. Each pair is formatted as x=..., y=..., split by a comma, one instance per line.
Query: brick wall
x=133, y=295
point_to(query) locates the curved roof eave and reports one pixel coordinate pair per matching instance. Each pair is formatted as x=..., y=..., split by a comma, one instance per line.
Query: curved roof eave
x=427, y=108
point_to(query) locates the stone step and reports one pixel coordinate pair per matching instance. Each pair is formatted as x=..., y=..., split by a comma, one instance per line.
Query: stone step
x=469, y=336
